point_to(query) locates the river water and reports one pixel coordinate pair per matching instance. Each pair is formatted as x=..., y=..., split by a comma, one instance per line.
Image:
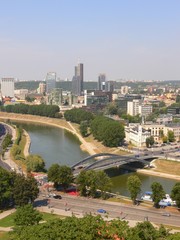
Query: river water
x=56, y=145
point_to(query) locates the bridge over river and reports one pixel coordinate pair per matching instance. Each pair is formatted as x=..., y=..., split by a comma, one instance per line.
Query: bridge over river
x=109, y=160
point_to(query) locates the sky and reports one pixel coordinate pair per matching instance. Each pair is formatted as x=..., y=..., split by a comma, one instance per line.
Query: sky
x=125, y=39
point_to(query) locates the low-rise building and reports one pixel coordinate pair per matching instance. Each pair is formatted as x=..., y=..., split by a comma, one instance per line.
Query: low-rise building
x=136, y=134
x=164, y=119
x=175, y=128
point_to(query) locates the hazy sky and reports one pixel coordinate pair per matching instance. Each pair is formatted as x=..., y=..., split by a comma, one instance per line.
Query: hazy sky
x=132, y=39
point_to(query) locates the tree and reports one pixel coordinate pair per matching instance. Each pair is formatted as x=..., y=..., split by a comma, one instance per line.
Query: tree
x=84, y=128
x=104, y=183
x=35, y=163
x=27, y=216
x=157, y=193
x=149, y=141
x=134, y=187
x=90, y=181
x=170, y=136
x=5, y=189
x=60, y=175
x=25, y=189
x=111, y=109
x=175, y=194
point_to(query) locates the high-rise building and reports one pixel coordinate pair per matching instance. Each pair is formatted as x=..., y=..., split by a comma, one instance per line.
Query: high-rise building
x=50, y=81
x=7, y=87
x=102, y=82
x=77, y=81
x=133, y=107
x=55, y=97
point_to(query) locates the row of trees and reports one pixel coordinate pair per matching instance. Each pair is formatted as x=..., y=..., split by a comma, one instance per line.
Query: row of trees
x=16, y=189
x=78, y=115
x=109, y=132
x=158, y=193
x=88, y=182
x=89, y=227
x=40, y=110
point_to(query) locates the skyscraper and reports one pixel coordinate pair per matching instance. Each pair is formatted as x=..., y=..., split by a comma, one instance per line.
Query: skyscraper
x=77, y=81
x=102, y=82
x=7, y=87
x=50, y=81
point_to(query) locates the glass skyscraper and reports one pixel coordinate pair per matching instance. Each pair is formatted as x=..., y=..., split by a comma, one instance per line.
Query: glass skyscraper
x=50, y=81
x=77, y=81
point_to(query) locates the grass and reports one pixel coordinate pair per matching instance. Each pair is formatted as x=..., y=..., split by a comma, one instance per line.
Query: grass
x=4, y=235
x=9, y=220
x=167, y=166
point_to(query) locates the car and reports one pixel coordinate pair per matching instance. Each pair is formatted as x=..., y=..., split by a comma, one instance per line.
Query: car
x=101, y=210
x=57, y=197
x=166, y=214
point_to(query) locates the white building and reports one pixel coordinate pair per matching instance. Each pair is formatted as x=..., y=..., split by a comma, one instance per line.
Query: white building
x=7, y=87
x=133, y=107
x=136, y=134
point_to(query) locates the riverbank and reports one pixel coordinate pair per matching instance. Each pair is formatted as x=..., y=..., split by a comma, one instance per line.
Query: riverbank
x=89, y=145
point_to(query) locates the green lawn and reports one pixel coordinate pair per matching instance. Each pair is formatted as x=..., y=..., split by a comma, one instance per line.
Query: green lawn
x=4, y=236
x=9, y=222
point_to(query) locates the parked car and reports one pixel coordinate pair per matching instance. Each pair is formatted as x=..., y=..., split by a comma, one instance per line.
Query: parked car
x=57, y=197
x=101, y=210
x=166, y=214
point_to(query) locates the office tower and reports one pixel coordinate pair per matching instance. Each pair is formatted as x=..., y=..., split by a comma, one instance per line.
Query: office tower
x=102, y=82
x=50, y=81
x=55, y=97
x=110, y=85
x=7, y=87
x=77, y=81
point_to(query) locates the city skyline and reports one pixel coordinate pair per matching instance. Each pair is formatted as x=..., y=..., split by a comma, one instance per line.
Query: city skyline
x=124, y=39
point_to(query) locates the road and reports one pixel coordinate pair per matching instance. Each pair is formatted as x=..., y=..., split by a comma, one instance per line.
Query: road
x=81, y=206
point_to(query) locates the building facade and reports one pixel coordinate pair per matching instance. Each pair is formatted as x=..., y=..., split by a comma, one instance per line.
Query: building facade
x=50, y=81
x=101, y=82
x=77, y=80
x=7, y=87
x=136, y=134
x=55, y=97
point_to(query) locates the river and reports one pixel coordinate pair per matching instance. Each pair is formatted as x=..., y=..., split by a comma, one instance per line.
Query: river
x=56, y=145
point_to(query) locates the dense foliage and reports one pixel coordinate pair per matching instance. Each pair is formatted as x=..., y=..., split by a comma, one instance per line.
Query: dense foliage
x=7, y=141
x=41, y=110
x=157, y=193
x=78, y=115
x=109, y=132
x=134, y=187
x=16, y=189
x=60, y=175
x=175, y=194
x=89, y=181
x=35, y=163
x=27, y=216
x=91, y=228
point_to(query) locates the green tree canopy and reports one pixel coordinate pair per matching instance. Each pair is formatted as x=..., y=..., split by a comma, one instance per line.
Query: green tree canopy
x=134, y=187
x=35, y=163
x=175, y=194
x=25, y=189
x=91, y=181
x=27, y=216
x=157, y=193
x=170, y=136
x=60, y=175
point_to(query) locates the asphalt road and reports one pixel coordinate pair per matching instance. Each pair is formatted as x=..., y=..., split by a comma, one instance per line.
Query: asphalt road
x=80, y=205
